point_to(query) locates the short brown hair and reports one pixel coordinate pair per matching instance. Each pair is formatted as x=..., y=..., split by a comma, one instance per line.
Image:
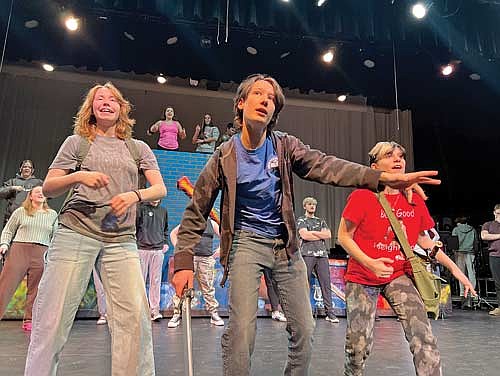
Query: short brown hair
x=244, y=89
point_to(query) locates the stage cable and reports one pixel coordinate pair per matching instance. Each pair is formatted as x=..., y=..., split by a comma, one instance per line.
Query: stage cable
x=395, y=82
x=227, y=20
x=7, y=34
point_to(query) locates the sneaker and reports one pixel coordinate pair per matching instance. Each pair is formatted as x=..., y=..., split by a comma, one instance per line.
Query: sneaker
x=216, y=320
x=156, y=317
x=102, y=320
x=175, y=321
x=278, y=316
x=495, y=312
x=27, y=326
x=332, y=318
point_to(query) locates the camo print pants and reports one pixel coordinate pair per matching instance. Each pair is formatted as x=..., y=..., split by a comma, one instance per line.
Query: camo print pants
x=406, y=302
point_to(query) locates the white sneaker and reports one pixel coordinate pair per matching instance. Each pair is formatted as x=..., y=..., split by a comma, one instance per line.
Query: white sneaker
x=216, y=320
x=102, y=320
x=495, y=312
x=278, y=316
x=175, y=321
x=332, y=318
x=156, y=317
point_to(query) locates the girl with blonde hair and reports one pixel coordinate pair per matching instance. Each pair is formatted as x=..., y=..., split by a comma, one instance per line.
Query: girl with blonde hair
x=26, y=237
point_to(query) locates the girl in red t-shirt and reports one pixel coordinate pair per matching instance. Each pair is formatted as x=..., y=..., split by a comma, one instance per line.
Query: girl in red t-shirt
x=377, y=265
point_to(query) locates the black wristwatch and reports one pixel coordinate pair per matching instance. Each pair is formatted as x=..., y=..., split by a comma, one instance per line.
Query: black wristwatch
x=438, y=246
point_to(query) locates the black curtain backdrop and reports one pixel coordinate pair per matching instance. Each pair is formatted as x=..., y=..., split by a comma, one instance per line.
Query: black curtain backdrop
x=37, y=110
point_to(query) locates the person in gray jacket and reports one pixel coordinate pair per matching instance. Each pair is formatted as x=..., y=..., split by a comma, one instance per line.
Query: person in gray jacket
x=258, y=230
x=467, y=241
x=15, y=189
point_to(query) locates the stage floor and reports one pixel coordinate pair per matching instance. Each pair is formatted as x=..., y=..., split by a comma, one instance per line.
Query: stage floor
x=468, y=340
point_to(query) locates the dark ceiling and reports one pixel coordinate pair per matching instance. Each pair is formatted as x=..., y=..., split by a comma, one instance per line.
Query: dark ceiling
x=449, y=113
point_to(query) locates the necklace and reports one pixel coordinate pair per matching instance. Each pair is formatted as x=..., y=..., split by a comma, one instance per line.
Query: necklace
x=394, y=206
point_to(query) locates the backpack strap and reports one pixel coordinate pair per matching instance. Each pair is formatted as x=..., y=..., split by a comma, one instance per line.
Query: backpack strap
x=83, y=150
x=134, y=152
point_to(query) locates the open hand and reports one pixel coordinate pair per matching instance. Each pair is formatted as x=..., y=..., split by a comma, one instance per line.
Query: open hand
x=404, y=181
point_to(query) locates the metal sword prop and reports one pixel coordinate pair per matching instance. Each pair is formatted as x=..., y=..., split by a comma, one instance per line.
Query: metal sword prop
x=186, y=328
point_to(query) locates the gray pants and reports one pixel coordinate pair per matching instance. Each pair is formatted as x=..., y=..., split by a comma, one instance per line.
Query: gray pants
x=465, y=262
x=250, y=255
x=406, y=302
x=322, y=268
x=151, y=263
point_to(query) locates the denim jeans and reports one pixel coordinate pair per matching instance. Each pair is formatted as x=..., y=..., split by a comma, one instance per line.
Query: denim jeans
x=251, y=253
x=70, y=260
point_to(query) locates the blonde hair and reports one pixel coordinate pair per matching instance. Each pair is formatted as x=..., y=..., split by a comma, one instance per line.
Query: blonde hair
x=384, y=148
x=244, y=89
x=85, y=119
x=28, y=203
x=309, y=200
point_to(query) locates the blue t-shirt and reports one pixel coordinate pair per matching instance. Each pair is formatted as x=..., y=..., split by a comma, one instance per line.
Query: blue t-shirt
x=258, y=190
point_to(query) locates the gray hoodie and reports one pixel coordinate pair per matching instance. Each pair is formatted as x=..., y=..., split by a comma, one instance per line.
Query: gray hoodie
x=467, y=237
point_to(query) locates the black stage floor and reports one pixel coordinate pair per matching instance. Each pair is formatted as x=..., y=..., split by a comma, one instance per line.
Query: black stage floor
x=469, y=342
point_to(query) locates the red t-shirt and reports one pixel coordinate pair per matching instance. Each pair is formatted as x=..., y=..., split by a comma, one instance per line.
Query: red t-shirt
x=374, y=233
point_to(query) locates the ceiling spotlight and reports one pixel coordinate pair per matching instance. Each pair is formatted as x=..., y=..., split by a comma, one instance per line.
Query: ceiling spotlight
x=252, y=50
x=31, y=24
x=342, y=98
x=128, y=36
x=161, y=79
x=447, y=70
x=419, y=11
x=172, y=40
x=285, y=1
x=193, y=82
x=369, y=63
x=284, y=54
x=474, y=76
x=328, y=56
x=48, y=67
x=72, y=23
x=321, y=2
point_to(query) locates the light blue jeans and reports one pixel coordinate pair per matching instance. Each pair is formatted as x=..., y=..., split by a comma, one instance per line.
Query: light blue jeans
x=70, y=260
x=251, y=253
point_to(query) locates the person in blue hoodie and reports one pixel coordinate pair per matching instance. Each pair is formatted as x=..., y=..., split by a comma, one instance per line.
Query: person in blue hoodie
x=467, y=242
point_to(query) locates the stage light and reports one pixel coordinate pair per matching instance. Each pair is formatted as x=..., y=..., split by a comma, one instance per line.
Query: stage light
x=48, y=67
x=328, y=56
x=447, y=70
x=284, y=54
x=474, y=76
x=161, y=79
x=369, y=63
x=193, y=82
x=285, y=1
x=72, y=23
x=252, y=50
x=342, y=98
x=419, y=10
x=172, y=40
x=31, y=24
x=321, y=2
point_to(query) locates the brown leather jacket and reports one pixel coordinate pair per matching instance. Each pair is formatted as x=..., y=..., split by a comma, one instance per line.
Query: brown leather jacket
x=219, y=174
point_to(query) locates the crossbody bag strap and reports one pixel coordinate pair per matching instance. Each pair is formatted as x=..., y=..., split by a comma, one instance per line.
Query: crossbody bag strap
x=396, y=227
